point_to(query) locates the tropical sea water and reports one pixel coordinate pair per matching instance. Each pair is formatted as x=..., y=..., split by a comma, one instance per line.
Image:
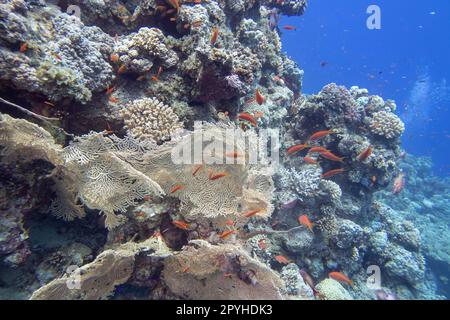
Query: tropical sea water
x=405, y=60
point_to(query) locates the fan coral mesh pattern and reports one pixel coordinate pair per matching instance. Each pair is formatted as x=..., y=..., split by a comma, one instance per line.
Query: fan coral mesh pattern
x=387, y=124
x=149, y=118
x=107, y=181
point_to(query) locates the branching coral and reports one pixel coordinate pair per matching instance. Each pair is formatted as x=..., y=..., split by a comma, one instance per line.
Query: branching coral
x=149, y=118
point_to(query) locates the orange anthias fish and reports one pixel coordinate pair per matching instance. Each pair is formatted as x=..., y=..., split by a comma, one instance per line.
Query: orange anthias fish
x=122, y=69
x=176, y=188
x=248, y=117
x=23, y=47
x=318, y=150
x=215, y=176
x=214, y=36
x=251, y=213
x=288, y=27
x=297, y=148
x=175, y=4
x=331, y=156
x=282, y=259
x=365, y=154
x=339, y=276
x=259, y=98
x=262, y=244
x=181, y=224
x=197, y=169
x=304, y=220
x=229, y=222
x=114, y=57
x=110, y=89
x=227, y=233
x=233, y=154
x=310, y=160
x=320, y=134
x=332, y=173
x=399, y=184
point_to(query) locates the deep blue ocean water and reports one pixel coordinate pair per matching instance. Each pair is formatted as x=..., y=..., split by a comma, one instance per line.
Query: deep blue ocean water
x=407, y=60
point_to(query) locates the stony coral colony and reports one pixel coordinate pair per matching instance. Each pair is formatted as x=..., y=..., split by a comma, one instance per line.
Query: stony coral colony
x=106, y=92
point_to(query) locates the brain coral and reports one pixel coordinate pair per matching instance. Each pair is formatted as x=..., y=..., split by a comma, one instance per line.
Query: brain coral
x=150, y=118
x=387, y=124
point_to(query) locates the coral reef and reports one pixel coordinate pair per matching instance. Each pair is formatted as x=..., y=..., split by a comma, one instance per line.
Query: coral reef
x=143, y=127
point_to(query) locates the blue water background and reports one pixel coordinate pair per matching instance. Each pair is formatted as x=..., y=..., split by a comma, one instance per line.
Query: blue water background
x=408, y=60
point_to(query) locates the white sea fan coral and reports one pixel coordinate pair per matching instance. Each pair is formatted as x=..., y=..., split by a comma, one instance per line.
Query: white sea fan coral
x=387, y=124
x=148, y=118
x=107, y=181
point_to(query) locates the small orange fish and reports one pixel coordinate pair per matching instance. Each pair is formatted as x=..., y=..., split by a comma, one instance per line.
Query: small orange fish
x=214, y=36
x=318, y=150
x=229, y=222
x=262, y=244
x=304, y=220
x=259, y=98
x=176, y=188
x=110, y=90
x=290, y=28
x=154, y=78
x=113, y=99
x=181, y=224
x=23, y=47
x=227, y=233
x=339, y=276
x=197, y=169
x=332, y=173
x=248, y=117
x=114, y=57
x=399, y=184
x=320, y=134
x=331, y=156
x=282, y=259
x=186, y=269
x=215, y=176
x=365, y=154
x=233, y=154
x=147, y=198
x=258, y=114
x=252, y=213
x=122, y=69
x=175, y=4
x=310, y=160
x=296, y=148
